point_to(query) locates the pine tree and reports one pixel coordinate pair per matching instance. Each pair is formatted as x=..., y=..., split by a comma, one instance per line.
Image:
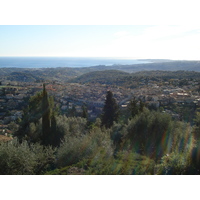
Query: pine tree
x=110, y=111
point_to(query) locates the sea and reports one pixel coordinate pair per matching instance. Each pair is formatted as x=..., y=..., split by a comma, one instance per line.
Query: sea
x=74, y=62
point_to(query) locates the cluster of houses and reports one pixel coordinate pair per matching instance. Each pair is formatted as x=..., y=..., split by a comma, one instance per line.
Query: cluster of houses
x=66, y=96
x=93, y=96
x=170, y=96
x=74, y=95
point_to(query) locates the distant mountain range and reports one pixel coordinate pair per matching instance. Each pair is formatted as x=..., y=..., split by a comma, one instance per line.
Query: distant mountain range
x=67, y=73
x=166, y=65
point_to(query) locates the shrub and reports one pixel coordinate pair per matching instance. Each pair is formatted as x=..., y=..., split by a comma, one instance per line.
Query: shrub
x=155, y=134
x=173, y=164
x=21, y=159
x=74, y=126
x=88, y=146
x=125, y=163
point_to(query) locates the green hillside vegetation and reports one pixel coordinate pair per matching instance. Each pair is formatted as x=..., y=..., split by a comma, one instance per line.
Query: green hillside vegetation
x=120, y=78
x=147, y=142
x=167, y=74
x=23, y=76
x=114, y=77
x=59, y=74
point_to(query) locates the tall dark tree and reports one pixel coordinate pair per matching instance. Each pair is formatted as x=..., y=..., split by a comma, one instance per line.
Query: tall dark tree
x=54, y=138
x=72, y=112
x=84, y=111
x=141, y=106
x=110, y=111
x=40, y=106
x=133, y=107
x=3, y=92
x=45, y=117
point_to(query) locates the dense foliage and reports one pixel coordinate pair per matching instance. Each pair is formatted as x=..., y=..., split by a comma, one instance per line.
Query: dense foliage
x=24, y=159
x=38, y=123
x=131, y=80
x=143, y=141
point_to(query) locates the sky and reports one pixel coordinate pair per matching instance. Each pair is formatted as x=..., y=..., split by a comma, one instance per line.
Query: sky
x=124, y=41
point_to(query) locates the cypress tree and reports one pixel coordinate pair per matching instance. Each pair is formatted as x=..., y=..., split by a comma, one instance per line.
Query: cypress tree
x=54, y=139
x=84, y=111
x=45, y=117
x=40, y=106
x=133, y=107
x=110, y=111
x=141, y=106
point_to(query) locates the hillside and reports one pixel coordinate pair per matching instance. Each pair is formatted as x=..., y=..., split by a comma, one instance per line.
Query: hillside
x=164, y=66
x=102, y=77
x=67, y=73
x=180, y=74
x=35, y=74
x=120, y=78
x=23, y=76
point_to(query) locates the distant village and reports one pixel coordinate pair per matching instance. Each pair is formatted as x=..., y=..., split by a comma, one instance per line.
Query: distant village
x=67, y=96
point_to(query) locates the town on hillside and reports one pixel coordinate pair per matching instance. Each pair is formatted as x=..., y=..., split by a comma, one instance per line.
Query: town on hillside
x=174, y=96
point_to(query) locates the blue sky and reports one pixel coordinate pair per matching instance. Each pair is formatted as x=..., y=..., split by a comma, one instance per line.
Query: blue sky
x=131, y=41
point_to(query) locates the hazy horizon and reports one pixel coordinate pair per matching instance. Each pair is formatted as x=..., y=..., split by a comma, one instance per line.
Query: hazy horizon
x=99, y=57
x=75, y=62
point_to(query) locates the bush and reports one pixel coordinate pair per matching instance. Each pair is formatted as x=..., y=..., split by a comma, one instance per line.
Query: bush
x=155, y=134
x=21, y=159
x=74, y=126
x=173, y=164
x=88, y=146
x=125, y=163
